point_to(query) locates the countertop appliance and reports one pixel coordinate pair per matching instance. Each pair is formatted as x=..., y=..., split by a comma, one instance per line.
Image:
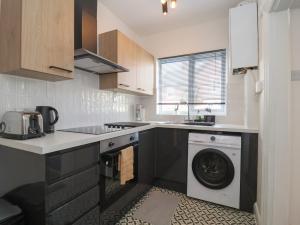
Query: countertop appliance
x=96, y=130
x=125, y=125
x=107, y=128
x=207, y=120
x=22, y=125
x=86, y=57
x=112, y=192
x=139, y=112
x=214, y=167
x=50, y=117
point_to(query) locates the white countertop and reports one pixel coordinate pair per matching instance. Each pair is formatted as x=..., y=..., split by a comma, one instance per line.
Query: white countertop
x=63, y=140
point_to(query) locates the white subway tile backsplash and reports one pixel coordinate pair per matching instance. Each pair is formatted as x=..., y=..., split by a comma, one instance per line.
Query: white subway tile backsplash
x=79, y=101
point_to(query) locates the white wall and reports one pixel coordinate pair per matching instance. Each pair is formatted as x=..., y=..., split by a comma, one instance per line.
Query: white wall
x=295, y=37
x=278, y=172
x=107, y=21
x=276, y=130
x=79, y=101
x=203, y=37
x=262, y=20
x=206, y=36
x=295, y=178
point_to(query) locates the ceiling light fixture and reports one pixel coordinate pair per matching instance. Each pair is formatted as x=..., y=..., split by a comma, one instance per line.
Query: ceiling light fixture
x=165, y=8
x=173, y=4
x=165, y=5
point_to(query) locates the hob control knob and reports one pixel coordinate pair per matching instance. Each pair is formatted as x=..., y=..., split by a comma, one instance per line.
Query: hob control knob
x=110, y=144
x=212, y=138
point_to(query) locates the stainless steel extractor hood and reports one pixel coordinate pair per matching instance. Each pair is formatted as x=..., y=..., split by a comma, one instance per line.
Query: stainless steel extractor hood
x=86, y=57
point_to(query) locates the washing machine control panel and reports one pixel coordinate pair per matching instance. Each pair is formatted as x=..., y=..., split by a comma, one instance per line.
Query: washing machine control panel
x=216, y=140
x=212, y=138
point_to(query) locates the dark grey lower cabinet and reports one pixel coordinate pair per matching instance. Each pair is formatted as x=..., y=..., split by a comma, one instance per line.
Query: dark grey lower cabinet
x=91, y=218
x=64, y=188
x=171, y=154
x=146, y=156
x=249, y=171
x=71, y=211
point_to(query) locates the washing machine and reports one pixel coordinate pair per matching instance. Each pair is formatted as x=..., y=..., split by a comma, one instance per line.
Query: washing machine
x=214, y=167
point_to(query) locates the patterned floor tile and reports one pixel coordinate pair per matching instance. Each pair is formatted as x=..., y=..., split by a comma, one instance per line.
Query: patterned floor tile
x=194, y=212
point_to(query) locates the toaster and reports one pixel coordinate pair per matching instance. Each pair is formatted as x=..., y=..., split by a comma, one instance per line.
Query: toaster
x=22, y=125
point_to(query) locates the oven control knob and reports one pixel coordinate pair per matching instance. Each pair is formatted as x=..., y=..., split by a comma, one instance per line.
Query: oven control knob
x=212, y=138
x=132, y=138
x=111, y=144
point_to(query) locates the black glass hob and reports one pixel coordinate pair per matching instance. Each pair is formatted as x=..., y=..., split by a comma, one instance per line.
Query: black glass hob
x=126, y=124
x=96, y=130
x=107, y=128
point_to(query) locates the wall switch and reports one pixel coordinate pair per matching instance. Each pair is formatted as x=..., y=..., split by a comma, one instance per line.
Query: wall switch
x=259, y=86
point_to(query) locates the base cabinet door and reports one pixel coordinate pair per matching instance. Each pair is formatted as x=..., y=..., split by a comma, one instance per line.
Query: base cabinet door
x=146, y=156
x=171, y=158
x=64, y=186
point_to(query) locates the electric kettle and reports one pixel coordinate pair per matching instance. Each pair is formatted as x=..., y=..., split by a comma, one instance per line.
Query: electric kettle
x=50, y=117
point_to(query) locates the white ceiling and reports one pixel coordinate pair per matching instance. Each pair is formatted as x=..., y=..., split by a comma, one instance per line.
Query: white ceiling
x=145, y=16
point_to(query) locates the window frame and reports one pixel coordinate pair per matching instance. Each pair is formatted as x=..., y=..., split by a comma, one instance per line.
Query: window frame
x=191, y=77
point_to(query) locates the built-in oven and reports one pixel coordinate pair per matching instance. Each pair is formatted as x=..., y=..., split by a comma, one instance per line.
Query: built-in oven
x=111, y=188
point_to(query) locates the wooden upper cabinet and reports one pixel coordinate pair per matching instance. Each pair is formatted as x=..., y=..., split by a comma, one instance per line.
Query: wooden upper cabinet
x=116, y=47
x=60, y=36
x=37, y=38
x=127, y=58
x=145, y=72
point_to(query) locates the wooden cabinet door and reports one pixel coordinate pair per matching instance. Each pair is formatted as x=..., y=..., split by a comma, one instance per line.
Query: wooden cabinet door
x=145, y=72
x=127, y=58
x=34, y=35
x=60, y=37
x=149, y=73
x=140, y=69
x=37, y=38
x=48, y=37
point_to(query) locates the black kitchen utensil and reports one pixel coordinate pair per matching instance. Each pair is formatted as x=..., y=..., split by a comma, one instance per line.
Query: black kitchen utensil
x=2, y=127
x=50, y=117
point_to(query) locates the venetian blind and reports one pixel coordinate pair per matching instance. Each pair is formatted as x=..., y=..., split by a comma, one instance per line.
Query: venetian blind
x=197, y=79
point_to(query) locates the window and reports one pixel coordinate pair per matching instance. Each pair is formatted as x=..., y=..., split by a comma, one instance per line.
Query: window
x=196, y=82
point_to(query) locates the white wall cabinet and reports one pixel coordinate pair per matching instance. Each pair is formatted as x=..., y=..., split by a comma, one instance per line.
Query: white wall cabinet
x=244, y=37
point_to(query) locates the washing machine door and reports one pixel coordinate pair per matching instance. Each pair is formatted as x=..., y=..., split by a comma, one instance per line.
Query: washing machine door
x=213, y=168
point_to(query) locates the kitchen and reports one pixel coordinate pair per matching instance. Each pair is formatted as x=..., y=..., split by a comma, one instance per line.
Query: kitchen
x=140, y=103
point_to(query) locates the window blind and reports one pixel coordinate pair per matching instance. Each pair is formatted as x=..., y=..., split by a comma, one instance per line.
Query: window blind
x=197, y=80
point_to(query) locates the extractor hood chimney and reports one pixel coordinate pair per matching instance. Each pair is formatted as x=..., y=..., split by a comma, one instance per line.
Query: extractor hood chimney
x=86, y=57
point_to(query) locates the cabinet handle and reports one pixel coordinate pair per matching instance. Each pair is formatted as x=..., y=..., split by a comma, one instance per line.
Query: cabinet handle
x=141, y=89
x=124, y=85
x=59, y=68
x=132, y=138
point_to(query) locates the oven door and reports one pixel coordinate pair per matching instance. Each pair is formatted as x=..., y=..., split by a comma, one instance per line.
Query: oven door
x=110, y=185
